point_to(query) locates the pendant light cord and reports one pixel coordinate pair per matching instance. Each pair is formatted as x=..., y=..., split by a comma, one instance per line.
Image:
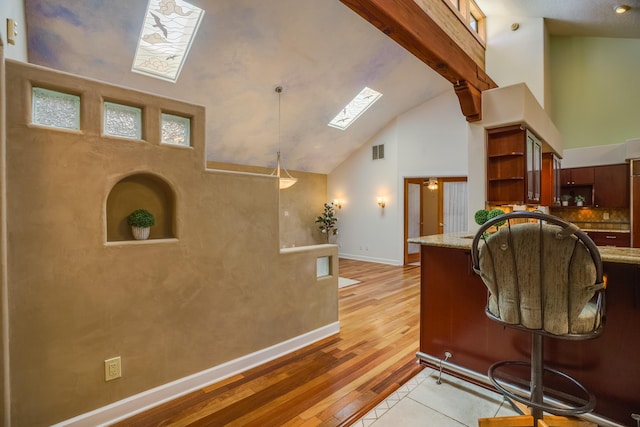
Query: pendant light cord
x=285, y=181
x=279, y=92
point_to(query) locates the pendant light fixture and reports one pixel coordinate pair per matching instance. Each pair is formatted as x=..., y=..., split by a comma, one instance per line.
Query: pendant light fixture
x=286, y=180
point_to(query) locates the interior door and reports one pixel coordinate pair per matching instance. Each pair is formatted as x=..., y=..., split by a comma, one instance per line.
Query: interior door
x=421, y=215
x=428, y=211
x=412, y=218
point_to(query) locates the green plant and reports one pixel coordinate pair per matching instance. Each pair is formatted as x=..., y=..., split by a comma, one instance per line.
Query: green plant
x=565, y=197
x=494, y=213
x=328, y=220
x=579, y=198
x=140, y=218
x=481, y=216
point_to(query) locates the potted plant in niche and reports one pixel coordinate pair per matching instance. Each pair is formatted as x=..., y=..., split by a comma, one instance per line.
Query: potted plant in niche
x=579, y=200
x=565, y=199
x=141, y=222
x=328, y=221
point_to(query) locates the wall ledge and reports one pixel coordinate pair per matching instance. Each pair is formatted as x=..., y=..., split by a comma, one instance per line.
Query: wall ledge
x=311, y=248
x=141, y=402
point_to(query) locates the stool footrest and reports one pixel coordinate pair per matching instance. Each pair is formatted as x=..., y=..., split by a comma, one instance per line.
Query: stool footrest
x=521, y=391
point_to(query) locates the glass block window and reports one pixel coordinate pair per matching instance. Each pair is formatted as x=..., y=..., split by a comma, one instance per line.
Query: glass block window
x=122, y=121
x=323, y=266
x=176, y=130
x=55, y=109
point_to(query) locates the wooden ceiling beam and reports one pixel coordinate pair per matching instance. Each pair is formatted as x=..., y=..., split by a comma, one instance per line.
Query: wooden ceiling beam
x=411, y=27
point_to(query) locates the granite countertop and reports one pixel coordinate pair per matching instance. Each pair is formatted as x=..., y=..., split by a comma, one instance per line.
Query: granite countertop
x=463, y=241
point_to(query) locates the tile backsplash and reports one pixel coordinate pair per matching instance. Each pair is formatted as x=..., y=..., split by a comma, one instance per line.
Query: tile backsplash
x=595, y=218
x=587, y=218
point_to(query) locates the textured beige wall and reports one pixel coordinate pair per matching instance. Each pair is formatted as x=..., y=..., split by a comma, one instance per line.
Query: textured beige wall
x=299, y=205
x=140, y=191
x=169, y=307
x=3, y=237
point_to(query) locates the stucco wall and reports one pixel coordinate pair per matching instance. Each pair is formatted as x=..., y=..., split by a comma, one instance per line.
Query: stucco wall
x=171, y=307
x=3, y=254
x=299, y=205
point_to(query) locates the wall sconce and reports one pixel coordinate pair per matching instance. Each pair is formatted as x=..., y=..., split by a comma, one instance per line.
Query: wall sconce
x=432, y=184
x=381, y=202
x=337, y=203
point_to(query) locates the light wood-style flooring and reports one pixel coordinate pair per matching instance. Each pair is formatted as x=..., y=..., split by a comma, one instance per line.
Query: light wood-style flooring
x=330, y=383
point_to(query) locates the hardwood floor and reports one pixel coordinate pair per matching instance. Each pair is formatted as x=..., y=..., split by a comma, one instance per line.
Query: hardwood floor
x=330, y=383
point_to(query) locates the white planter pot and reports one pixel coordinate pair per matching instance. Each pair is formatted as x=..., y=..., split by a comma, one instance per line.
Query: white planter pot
x=140, y=233
x=579, y=203
x=565, y=203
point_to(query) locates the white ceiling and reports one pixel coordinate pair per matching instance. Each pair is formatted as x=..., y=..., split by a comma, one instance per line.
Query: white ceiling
x=321, y=52
x=586, y=18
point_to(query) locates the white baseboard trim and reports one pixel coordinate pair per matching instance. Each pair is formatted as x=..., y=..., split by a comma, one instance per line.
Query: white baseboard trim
x=135, y=404
x=370, y=259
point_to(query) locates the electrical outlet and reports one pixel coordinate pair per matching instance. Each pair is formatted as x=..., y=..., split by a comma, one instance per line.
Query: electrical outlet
x=605, y=215
x=12, y=31
x=112, y=369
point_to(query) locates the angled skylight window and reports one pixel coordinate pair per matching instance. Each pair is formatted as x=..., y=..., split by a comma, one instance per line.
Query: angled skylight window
x=355, y=108
x=166, y=37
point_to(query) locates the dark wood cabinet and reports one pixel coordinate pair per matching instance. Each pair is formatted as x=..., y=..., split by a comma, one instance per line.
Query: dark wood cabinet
x=576, y=176
x=635, y=208
x=610, y=238
x=611, y=186
x=606, y=186
x=514, y=164
x=550, y=193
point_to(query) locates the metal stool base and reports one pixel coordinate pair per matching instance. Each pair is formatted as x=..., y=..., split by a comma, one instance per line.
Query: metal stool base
x=562, y=408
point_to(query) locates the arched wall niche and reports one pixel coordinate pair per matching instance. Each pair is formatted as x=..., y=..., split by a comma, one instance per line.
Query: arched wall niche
x=141, y=191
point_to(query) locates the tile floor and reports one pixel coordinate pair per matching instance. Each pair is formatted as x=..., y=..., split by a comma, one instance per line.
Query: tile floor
x=421, y=402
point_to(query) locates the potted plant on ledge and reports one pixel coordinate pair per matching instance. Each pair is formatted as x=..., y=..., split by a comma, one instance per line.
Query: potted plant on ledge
x=579, y=200
x=565, y=199
x=141, y=222
x=328, y=221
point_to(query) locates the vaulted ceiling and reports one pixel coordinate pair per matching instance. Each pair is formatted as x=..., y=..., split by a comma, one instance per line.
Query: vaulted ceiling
x=321, y=52
x=581, y=18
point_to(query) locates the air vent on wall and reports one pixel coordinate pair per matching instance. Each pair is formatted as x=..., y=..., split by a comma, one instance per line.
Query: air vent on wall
x=378, y=152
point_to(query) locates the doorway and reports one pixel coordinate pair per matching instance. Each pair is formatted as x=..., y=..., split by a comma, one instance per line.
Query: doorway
x=432, y=209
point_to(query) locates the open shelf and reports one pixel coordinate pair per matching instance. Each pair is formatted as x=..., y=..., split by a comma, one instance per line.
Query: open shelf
x=140, y=191
x=513, y=166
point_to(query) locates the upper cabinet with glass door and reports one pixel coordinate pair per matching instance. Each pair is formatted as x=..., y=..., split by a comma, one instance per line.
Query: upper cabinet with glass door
x=514, y=164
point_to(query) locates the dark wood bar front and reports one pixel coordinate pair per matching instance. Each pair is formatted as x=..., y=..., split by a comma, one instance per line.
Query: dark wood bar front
x=453, y=298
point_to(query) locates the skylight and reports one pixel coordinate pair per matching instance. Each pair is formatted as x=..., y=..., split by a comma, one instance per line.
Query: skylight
x=165, y=39
x=355, y=108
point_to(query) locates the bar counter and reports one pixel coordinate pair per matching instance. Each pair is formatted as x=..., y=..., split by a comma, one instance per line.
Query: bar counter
x=463, y=241
x=452, y=320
